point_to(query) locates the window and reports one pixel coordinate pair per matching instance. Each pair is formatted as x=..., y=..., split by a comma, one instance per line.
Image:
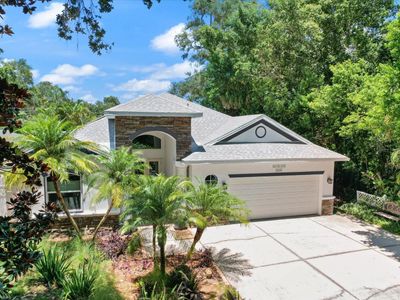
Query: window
x=154, y=169
x=146, y=142
x=211, y=179
x=261, y=132
x=71, y=191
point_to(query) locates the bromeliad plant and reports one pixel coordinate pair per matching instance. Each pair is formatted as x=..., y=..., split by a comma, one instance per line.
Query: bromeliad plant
x=210, y=204
x=109, y=178
x=157, y=201
x=51, y=140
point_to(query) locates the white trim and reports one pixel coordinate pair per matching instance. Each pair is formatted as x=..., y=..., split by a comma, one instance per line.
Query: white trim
x=192, y=162
x=46, y=197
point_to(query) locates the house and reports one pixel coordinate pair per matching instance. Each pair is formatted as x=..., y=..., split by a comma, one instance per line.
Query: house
x=276, y=171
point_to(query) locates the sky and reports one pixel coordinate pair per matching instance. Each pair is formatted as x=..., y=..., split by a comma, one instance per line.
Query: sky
x=144, y=58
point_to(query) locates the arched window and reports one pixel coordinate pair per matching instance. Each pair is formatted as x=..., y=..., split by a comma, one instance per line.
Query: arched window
x=146, y=141
x=211, y=179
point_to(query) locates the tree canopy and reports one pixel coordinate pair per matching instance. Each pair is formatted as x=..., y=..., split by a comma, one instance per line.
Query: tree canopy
x=326, y=69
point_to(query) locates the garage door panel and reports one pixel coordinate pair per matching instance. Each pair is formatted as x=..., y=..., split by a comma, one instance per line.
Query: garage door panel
x=272, y=179
x=278, y=196
x=275, y=191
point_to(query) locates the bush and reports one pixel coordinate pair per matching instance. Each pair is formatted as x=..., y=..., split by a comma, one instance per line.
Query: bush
x=81, y=283
x=53, y=266
x=134, y=244
x=179, y=284
x=230, y=293
x=112, y=243
x=186, y=283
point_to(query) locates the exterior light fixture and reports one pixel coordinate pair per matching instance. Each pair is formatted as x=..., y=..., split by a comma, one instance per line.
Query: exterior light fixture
x=329, y=180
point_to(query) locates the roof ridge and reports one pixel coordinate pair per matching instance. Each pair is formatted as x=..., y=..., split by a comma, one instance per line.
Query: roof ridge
x=191, y=102
x=170, y=101
x=132, y=100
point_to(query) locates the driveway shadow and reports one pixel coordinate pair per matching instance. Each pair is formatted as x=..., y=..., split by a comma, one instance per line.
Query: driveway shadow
x=233, y=265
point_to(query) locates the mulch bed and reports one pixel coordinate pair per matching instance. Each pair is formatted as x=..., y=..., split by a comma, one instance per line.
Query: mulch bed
x=129, y=270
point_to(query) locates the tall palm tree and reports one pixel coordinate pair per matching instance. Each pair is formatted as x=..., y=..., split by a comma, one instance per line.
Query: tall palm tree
x=51, y=140
x=210, y=204
x=158, y=201
x=109, y=178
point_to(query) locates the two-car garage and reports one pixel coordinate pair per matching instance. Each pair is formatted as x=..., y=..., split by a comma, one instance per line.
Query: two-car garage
x=272, y=195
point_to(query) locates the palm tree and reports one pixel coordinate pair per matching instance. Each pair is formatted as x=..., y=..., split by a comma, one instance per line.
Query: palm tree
x=210, y=204
x=109, y=179
x=158, y=201
x=51, y=140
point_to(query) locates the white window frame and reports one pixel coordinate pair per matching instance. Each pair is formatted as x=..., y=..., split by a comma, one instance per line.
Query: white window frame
x=70, y=191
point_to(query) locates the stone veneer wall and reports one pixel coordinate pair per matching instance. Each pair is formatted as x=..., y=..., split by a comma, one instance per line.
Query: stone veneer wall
x=179, y=127
x=87, y=222
x=327, y=207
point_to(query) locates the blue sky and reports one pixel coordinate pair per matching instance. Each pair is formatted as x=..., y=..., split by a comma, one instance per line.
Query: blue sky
x=143, y=60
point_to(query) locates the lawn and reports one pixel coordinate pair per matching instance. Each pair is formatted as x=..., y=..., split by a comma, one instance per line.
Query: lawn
x=366, y=213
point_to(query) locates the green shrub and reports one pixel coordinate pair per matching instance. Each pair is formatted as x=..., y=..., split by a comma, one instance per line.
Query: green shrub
x=81, y=283
x=230, y=293
x=134, y=244
x=53, y=266
x=185, y=283
x=181, y=283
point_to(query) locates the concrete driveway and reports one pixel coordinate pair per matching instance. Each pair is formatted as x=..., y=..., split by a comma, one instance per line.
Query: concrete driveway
x=327, y=257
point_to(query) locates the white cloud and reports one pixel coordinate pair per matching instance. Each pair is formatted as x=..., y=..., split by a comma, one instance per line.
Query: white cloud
x=47, y=17
x=89, y=98
x=67, y=74
x=144, y=86
x=166, y=41
x=35, y=73
x=7, y=60
x=72, y=88
x=176, y=71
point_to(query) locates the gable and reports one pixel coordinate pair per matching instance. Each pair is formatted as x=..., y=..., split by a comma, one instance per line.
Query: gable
x=260, y=132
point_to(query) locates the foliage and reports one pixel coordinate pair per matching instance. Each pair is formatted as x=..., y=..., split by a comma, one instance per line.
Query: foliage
x=47, y=98
x=230, y=293
x=210, y=204
x=366, y=214
x=157, y=200
x=264, y=58
x=134, y=243
x=51, y=141
x=109, y=178
x=327, y=69
x=53, y=266
x=81, y=283
x=112, y=243
x=181, y=283
x=80, y=17
x=19, y=233
x=359, y=116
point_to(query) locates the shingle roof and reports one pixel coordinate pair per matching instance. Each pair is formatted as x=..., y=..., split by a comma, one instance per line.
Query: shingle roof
x=97, y=132
x=264, y=152
x=153, y=105
x=209, y=128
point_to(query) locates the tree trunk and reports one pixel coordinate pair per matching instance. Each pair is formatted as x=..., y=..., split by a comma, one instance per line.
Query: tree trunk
x=196, y=239
x=161, y=244
x=102, y=220
x=154, y=241
x=64, y=206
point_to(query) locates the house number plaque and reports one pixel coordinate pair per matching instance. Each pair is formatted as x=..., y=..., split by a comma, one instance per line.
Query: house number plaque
x=279, y=167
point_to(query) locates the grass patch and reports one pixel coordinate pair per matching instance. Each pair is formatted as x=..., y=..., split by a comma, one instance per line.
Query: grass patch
x=366, y=213
x=31, y=286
